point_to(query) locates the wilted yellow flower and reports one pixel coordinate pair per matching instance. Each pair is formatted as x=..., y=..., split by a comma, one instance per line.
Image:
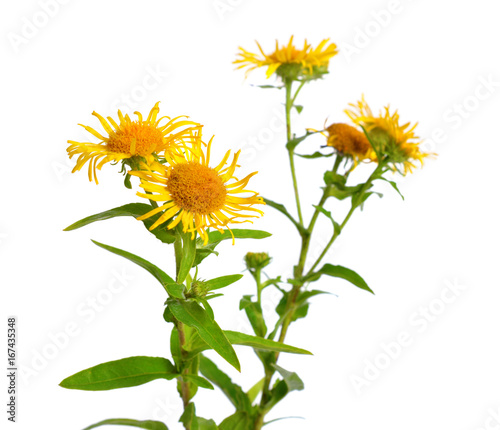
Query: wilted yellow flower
x=141, y=140
x=350, y=141
x=196, y=195
x=398, y=143
x=290, y=62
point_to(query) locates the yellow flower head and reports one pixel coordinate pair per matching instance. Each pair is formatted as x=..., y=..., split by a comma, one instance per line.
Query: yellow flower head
x=397, y=143
x=141, y=140
x=350, y=141
x=290, y=62
x=196, y=195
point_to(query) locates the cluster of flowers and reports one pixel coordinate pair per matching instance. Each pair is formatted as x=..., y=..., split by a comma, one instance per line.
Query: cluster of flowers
x=173, y=164
x=373, y=138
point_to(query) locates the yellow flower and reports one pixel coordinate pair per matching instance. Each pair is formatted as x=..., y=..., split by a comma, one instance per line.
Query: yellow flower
x=290, y=62
x=350, y=141
x=196, y=195
x=392, y=141
x=131, y=141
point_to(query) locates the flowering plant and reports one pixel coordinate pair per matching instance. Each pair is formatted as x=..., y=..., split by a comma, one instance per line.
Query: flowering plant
x=193, y=206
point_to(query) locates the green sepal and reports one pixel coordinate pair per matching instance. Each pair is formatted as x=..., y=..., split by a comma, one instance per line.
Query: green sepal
x=233, y=392
x=149, y=425
x=339, y=272
x=193, y=315
x=127, y=372
x=134, y=210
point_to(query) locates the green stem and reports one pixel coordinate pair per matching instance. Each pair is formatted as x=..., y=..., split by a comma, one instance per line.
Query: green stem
x=354, y=206
x=288, y=108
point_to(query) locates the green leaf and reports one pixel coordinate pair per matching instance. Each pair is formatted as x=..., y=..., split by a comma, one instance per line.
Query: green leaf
x=269, y=86
x=150, y=425
x=255, y=390
x=216, y=237
x=204, y=424
x=127, y=372
x=198, y=345
x=317, y=154
x=291, y=379
x=331, y=178
x=175, y=347
x=165, y=280
x=328, y=214
x=299, y=108
x=133, y=209
x=187, y=255
x=340, y=272
x=254, y=315
x=221, y=282
x=238, y=421
x=188, y=418
x=283, y=210
x=198, y=380
x=232, y=391
x=393, y=184
x=293, y=143
x=193, y=315
x=259, y=343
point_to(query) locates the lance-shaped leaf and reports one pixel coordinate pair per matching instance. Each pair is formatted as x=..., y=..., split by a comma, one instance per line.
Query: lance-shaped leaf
x=134, y=210
x=238, y=421
x=166, y=281
x=204, y=424
x=283, y=210
x=198, y=380
x=291, y=379
x=340, y=272
x=221, y=282
x=185, y=253
x=193, y=315
x=127, y=372
x=232, y=391
x=317, y=154
x=254, y=315
x=198, y=345
x=216, y=237
x=149, y=425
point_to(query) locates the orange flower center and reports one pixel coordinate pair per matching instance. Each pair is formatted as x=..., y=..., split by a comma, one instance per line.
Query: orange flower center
x=135, y=138
x=347, y=139
x=196, y=188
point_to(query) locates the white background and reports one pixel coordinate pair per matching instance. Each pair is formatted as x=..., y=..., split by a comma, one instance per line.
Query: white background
x=428, y=59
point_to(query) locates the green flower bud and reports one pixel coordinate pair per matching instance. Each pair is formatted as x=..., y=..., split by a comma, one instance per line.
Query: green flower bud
x=257, y=260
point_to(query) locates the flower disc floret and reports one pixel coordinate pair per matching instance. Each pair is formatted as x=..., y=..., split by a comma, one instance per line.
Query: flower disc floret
x=195, y=195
